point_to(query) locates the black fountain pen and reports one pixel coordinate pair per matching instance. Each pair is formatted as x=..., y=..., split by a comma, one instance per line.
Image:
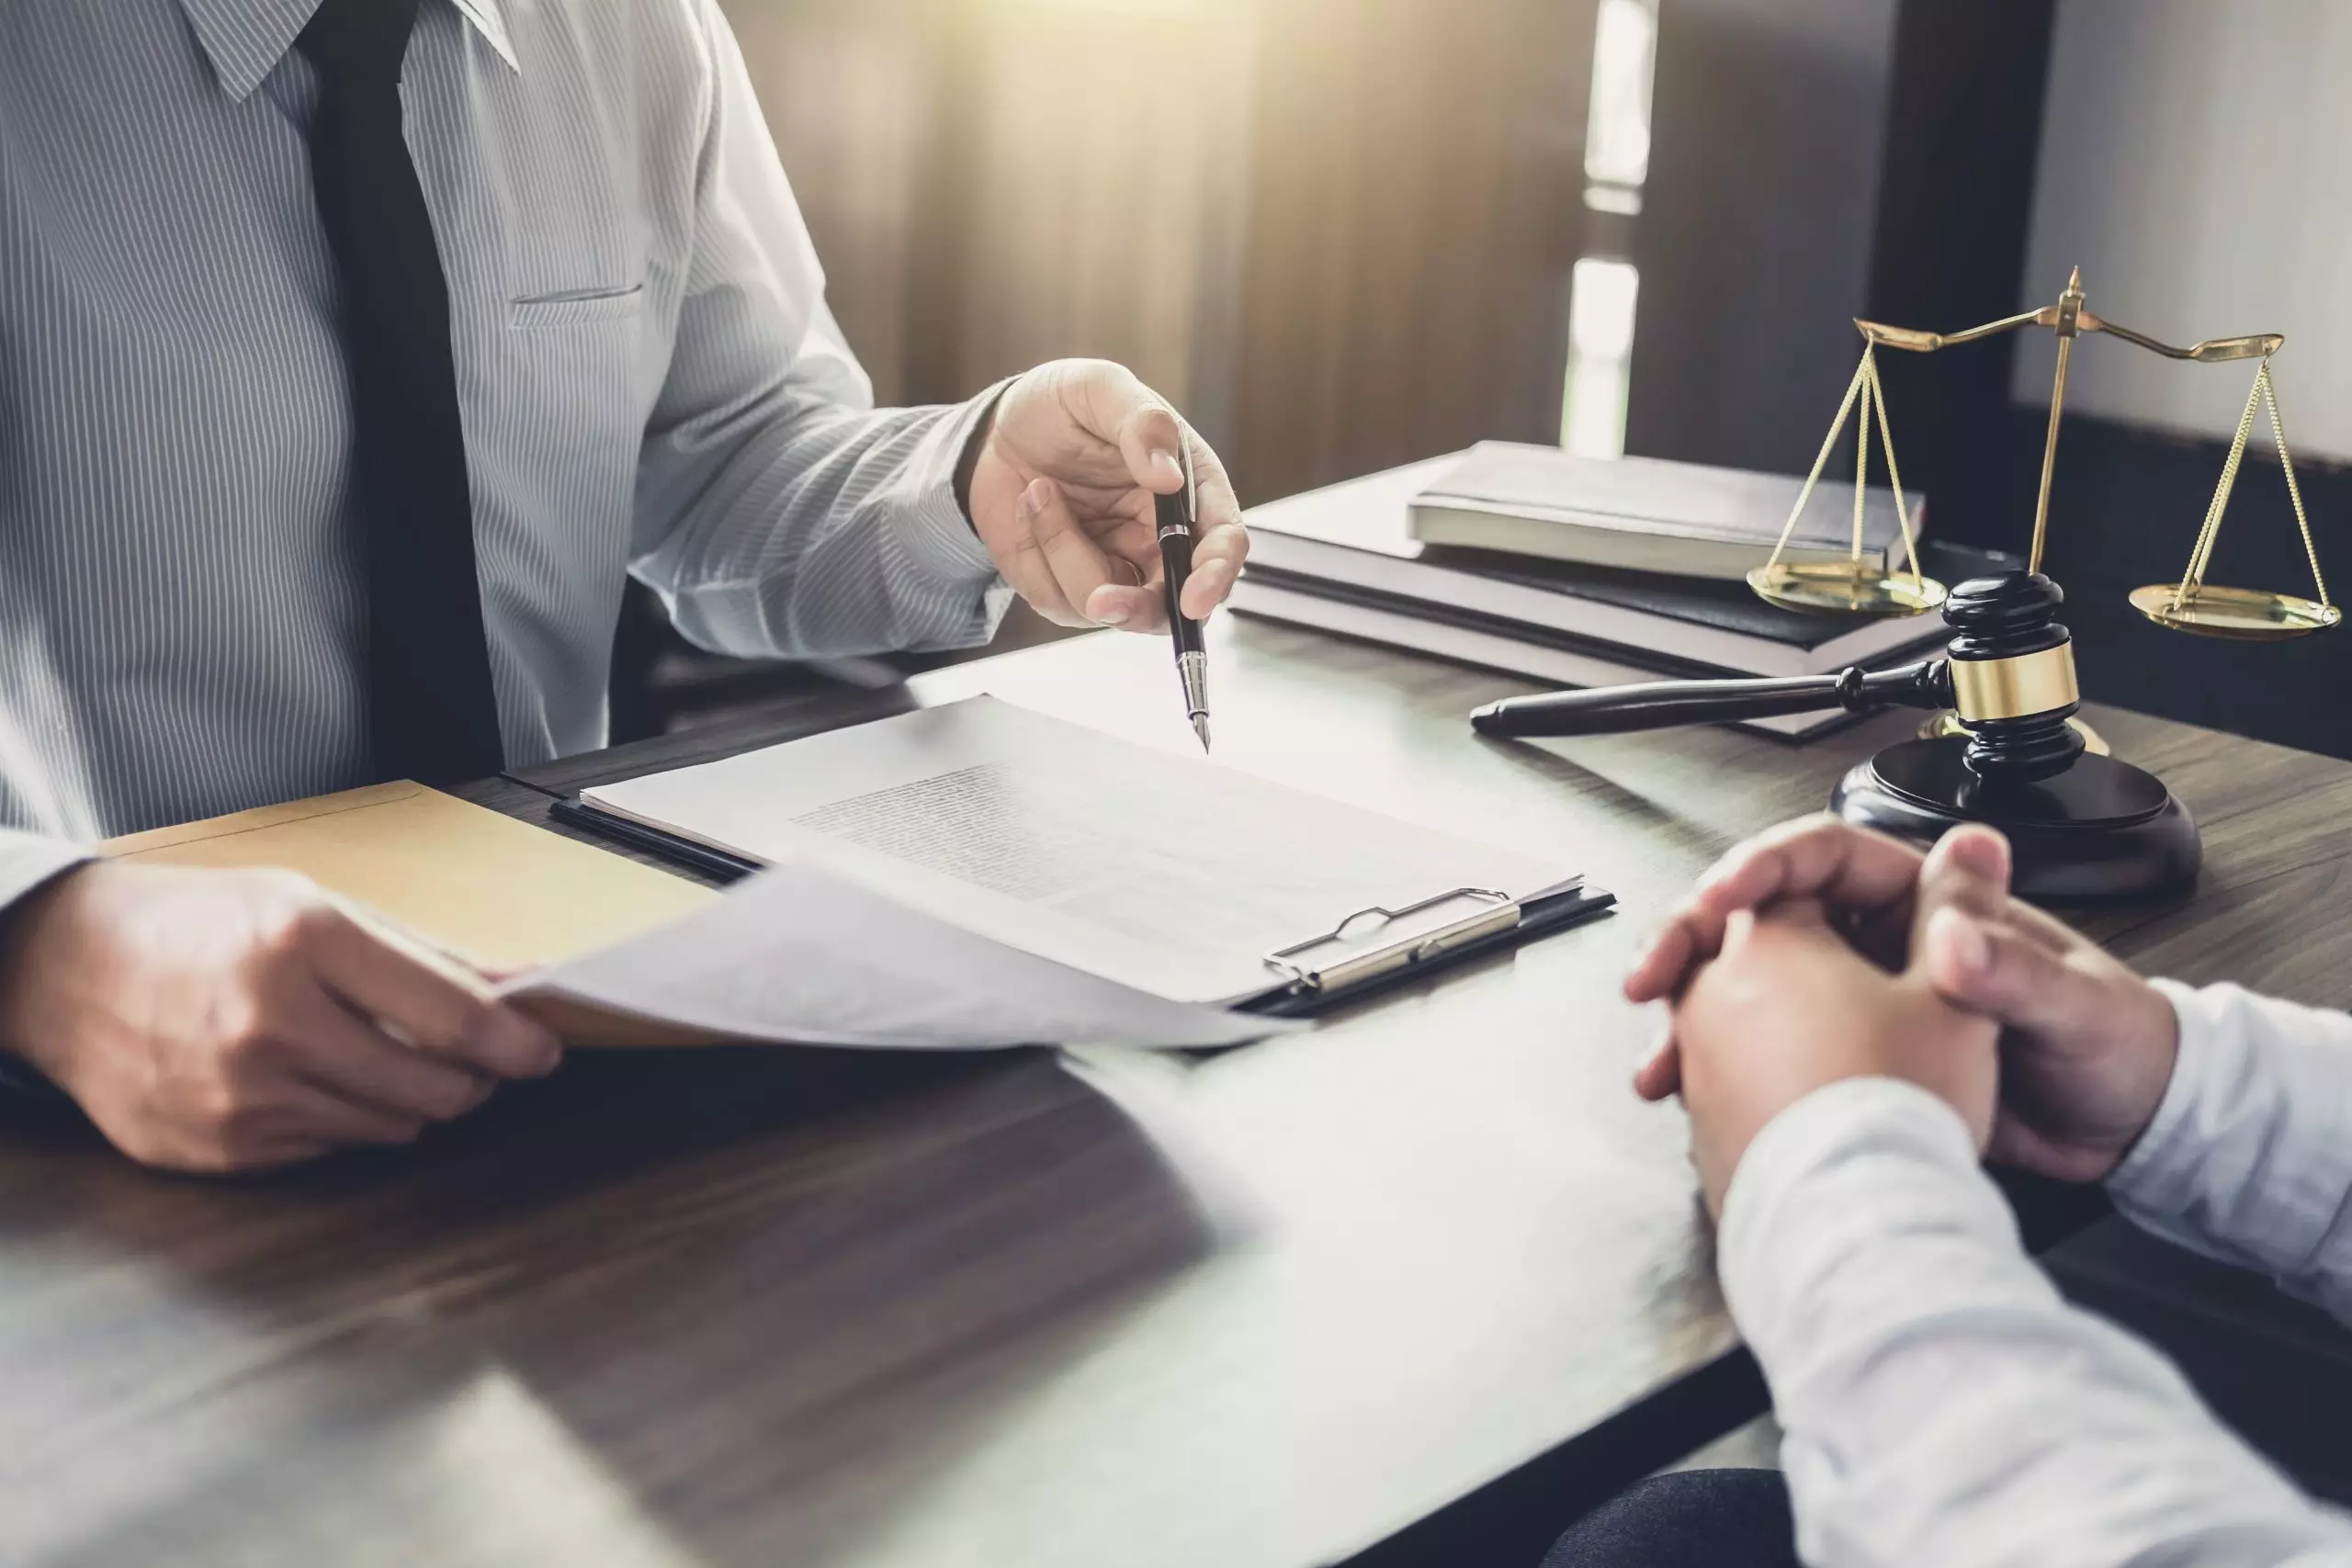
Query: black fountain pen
x=1179, y=514
x=1661, y=704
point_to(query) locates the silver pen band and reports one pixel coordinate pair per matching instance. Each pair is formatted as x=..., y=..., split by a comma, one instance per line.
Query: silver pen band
x=1193, y=668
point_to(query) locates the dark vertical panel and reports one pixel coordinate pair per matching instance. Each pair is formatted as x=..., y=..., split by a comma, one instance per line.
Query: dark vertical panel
x=1767, y=128
x=1963, y=133
x=1416, y=181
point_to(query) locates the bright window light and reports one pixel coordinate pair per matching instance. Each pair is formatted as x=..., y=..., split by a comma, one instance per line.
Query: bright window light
x=1617, y=131
x=1602, y=296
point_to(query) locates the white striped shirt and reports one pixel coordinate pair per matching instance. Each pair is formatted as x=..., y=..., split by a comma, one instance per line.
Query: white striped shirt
x=651, y=383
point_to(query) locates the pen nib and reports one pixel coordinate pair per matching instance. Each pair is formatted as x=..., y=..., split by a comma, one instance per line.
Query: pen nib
x=1200, y=728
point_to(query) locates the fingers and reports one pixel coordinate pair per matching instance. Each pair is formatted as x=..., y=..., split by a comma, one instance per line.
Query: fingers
x=422, y=1000
x=1968, y=870
x=1806, y=917
x=1151, y=440
x=312, y=1116
x=1119, y=407
x=1023, y=562
x=1997, y=970
x=1220, y=542
x=307, y=1120
x=1798, y=920
x=1813, y=857
x=1660, y=1078
x=1096, y=434
x=1079, y=567
x=340, y=1054
x=1687, y=939
x=2043, y=928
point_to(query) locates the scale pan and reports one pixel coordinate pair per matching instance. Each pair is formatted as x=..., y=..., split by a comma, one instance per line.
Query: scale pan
x=2249, y=614
x=1845, y=587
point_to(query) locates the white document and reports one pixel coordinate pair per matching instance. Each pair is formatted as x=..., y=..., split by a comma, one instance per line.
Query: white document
x=798, y=955
x=1162, y=872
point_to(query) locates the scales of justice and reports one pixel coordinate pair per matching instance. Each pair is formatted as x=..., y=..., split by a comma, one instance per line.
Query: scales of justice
x=2004, y=749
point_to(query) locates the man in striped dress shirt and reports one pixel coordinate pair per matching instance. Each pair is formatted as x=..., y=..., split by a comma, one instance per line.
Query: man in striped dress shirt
x=212, y=378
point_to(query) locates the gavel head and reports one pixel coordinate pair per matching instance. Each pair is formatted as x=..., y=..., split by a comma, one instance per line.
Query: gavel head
x=2012, y=667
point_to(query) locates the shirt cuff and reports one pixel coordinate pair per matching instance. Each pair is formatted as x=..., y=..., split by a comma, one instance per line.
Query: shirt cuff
x=28, y=863
x=939, y=538
x=2152, y=1172
x=2251, y=1146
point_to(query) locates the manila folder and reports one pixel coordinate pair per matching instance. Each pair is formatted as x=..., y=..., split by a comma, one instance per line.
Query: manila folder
x=498, y=894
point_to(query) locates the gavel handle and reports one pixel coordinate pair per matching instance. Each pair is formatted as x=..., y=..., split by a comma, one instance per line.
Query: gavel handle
x=1660, y=705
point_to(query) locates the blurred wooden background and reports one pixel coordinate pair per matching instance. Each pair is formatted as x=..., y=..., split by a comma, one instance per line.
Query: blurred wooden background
x=1338, y=233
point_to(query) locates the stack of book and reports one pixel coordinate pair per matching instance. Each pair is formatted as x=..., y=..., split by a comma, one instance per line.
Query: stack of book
x=1583, y=572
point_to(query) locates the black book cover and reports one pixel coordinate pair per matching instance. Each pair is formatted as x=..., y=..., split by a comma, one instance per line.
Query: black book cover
x=1728, y=607
x=1665, y=666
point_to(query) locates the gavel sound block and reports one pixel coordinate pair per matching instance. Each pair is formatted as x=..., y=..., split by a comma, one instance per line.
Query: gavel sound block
x=2083, y=826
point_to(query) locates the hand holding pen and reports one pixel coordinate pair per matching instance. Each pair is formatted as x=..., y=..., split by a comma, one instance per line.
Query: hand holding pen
x=1063, y=487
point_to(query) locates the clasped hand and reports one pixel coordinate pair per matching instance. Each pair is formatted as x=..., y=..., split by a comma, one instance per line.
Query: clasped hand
x=1820, y=951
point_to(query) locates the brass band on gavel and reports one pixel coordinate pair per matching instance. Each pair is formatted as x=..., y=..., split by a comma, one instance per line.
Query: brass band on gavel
x=2016, y=687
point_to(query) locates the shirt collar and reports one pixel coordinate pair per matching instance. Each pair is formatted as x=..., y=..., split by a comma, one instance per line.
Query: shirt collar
x=246, y=38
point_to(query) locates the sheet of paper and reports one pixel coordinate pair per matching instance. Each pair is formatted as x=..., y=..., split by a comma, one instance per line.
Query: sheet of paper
x=799, y=955
x=1167, y=872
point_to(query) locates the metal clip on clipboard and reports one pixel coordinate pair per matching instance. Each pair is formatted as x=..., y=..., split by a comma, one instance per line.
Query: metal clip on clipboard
x=1351, y=963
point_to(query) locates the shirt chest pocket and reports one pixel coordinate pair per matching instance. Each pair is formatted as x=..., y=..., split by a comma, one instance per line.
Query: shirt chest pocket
x=572, y=229
x=576, y=307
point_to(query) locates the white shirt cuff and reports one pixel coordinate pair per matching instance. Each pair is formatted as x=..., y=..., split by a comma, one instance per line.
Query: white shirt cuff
x=2154, y=1169
x=939, y=538
x=2250, y=1150
x=30, y=861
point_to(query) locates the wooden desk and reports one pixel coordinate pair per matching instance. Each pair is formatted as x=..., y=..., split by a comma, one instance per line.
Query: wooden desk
x=760, y=1308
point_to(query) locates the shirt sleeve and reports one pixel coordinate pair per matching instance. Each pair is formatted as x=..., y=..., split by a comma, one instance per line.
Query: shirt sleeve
x=778, y=512
x=1943, y=1406
x=28, y=863
x=2249, y=1157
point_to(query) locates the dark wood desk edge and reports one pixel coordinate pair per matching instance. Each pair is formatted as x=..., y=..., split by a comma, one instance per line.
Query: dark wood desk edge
x=1514, y=1517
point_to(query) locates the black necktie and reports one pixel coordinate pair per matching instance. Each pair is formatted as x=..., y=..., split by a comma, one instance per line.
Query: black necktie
x=431, y=714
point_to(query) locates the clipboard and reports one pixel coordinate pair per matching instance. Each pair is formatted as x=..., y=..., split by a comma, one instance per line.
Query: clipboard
x=1358, y=957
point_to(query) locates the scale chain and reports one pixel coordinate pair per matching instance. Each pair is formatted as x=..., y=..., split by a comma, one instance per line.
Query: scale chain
x=1821, y=459
x=2202, y=553
x=1893, y=474
x=2287, y=466
x=1862, y=442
